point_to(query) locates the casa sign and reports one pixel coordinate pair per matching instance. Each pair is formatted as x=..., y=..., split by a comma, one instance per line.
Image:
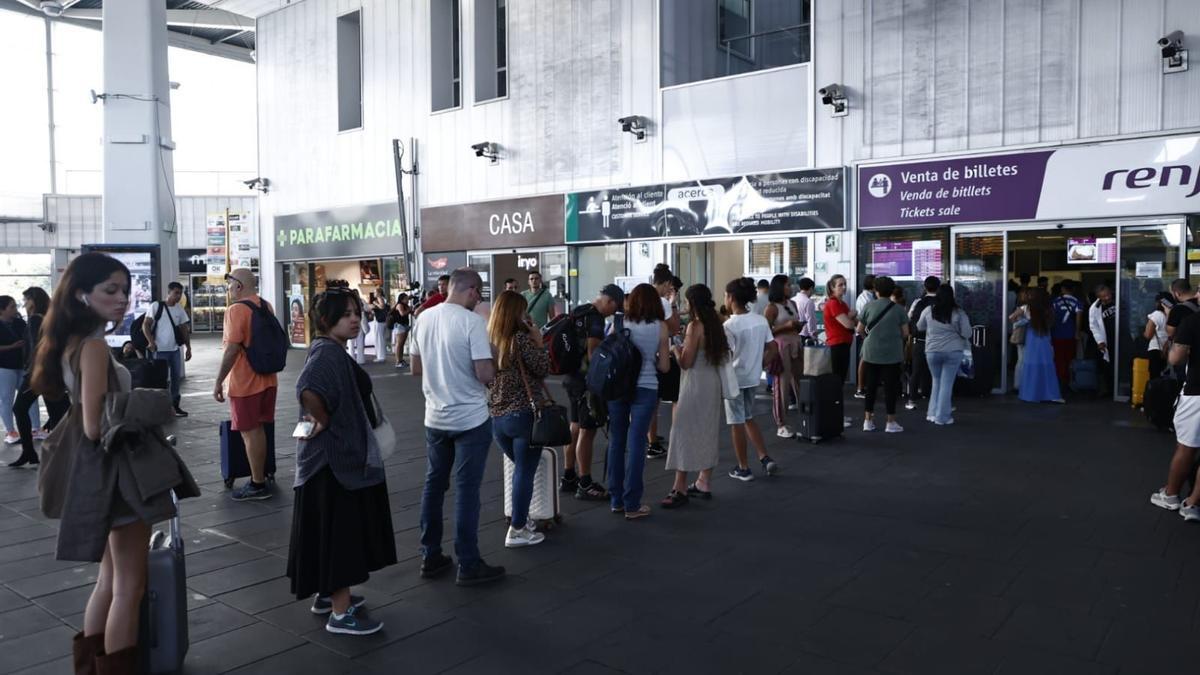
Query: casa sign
x=505, y=223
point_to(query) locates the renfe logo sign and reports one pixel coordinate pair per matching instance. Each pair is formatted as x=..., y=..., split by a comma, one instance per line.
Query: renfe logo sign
x=1159, y=176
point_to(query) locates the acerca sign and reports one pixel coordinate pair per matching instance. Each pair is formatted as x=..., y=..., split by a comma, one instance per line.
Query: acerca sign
x=1159, y=176
x=504, y=223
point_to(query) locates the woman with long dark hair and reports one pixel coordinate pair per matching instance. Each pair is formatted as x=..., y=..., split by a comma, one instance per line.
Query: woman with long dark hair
x=100, y=521
x=13, y=345
x=521, y=367
x=629, y=418
x=696, y=420
x=37, y=303
x=341, y=520
x=1039, y=380
x=784, y=319
x=400, y=319
x=947, y=337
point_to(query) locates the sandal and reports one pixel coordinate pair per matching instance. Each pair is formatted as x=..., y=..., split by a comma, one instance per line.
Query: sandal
x=696, y=492
x=674, y=500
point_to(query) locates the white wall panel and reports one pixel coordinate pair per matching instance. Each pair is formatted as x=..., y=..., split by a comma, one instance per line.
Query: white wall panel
x=953, y=75
x=78, y=220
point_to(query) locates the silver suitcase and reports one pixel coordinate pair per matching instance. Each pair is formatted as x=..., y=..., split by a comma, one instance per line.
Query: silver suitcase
x=163, y=627
x=544, y=507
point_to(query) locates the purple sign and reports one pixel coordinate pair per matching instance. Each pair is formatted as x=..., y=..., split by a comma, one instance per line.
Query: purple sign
x=962, y=190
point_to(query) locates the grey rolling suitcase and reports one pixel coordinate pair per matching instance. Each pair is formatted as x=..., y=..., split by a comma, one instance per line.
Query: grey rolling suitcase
x=544, y=506
x=163, y=629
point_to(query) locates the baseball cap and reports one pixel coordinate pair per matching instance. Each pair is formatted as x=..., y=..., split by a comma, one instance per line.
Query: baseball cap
x=614, y=293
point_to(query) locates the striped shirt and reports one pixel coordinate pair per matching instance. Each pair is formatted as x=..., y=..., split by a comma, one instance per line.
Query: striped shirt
x=344, y=446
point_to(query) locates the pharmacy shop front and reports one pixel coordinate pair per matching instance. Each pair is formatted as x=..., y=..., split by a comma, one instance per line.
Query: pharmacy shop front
x=501, y=239
x=1119, y=214
x=710, y=231
x=360, y=245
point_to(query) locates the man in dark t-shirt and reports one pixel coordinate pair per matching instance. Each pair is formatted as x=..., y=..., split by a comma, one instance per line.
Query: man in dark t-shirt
x=1185, y=305
x=1185, y=350
x=577, y=457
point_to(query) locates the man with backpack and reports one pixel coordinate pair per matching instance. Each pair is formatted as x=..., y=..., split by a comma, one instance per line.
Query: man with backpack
x=586, y=412
x=165, y=339
x=252, y=381
x=921, y=382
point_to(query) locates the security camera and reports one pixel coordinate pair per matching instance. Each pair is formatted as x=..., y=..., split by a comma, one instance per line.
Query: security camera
x=487, y=149
x=1175, y=57
x=258, y=183
x=633, y=124
x=834, y=95
x=1174, y=37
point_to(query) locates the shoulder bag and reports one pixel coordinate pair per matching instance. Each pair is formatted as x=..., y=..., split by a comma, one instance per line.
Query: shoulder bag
x=550, y=425
x=385, y=434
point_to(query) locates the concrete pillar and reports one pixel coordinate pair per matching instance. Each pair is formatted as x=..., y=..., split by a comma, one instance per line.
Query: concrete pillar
x=138, y=151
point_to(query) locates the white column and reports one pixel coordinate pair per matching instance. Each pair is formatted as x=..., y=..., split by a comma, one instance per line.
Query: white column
x=138, y=150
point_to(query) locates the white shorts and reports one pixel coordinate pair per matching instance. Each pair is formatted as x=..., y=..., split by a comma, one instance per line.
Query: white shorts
x=1187, y=421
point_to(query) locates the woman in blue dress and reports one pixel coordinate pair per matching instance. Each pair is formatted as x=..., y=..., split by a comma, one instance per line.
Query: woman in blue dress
x=1039, y=381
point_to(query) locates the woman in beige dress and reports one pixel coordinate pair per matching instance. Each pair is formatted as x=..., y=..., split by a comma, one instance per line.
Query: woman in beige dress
x=696, y=421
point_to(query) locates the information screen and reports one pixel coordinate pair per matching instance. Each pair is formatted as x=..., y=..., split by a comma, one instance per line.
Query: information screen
x=906, y=260
x=1091, y=250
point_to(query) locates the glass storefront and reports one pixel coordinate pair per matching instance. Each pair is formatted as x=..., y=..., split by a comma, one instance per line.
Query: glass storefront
x=302, y=281
x=19, y=271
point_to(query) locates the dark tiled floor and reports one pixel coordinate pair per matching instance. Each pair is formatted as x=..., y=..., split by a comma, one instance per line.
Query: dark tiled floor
x=1018, y=541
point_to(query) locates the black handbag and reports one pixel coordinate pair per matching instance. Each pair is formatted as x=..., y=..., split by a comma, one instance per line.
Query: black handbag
x=550, y=425
x=668, y=382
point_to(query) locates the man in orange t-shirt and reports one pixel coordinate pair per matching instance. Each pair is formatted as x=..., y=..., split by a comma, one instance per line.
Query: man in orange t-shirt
x=251, y=394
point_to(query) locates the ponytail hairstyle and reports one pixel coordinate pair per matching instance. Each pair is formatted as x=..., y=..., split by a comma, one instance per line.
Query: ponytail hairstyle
x=68, y=317
x=662, y=274
x=742, y=290
x=704, y=309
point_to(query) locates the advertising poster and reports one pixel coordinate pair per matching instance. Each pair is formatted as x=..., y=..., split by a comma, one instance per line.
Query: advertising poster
x=437, y=264
x=217, y=243
x=297, y=325
x=760, y=203
x=141, y=292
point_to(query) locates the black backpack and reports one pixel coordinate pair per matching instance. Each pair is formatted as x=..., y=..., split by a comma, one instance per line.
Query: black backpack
x=565, y=338
x=137, y=333
x=268, y=348
x=615, y=365
x=919, y=308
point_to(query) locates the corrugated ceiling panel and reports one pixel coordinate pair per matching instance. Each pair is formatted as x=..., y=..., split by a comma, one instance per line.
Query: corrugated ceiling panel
x=1140, y=85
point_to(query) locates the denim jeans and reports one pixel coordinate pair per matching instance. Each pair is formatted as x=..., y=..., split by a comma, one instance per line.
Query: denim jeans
x=628, y=423
x=174, y=359
x=465, y=453
x=512, y=433
x=10, y=381
x=943, y=367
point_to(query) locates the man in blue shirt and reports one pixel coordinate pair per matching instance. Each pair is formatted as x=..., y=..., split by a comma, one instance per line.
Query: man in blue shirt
x=1064, y=334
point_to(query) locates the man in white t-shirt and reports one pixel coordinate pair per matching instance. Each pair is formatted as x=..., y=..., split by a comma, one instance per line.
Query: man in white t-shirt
x=761, y=300
x=163, y=320
x=865, y=298
x=453, y=357
x=751, y=345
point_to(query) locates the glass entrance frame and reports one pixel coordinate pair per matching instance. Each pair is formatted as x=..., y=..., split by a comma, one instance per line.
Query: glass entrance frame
x=1147, y=240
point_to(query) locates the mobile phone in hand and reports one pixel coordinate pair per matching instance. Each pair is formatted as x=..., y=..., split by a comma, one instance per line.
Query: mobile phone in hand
x=303, y=429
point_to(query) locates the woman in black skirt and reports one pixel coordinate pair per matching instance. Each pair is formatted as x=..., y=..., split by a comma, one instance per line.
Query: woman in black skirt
x=341, y=521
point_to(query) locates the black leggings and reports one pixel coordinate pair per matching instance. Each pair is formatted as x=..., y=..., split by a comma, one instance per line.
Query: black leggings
x=890, y=374
x=841, y=360
x=26, y=398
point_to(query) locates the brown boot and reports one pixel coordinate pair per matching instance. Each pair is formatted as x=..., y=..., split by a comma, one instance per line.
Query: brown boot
x=125, y=662
x=85, y=650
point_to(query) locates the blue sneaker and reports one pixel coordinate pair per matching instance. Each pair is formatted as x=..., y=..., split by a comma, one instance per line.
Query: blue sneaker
x=324, y=605
x=741, y=474
x=769, y=466
x=352, y=623
x=251, y=492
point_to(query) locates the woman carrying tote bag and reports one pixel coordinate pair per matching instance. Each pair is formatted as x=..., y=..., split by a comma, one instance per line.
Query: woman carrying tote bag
x=521, y=365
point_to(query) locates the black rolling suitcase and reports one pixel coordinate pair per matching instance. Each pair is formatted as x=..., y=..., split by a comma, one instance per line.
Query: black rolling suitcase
x=163, y=628
x=234, y=464
x=984, y=376
x=148, y=373
x=1159, y=401
x=819, y=408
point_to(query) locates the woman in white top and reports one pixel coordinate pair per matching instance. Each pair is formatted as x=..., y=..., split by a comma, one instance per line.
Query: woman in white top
x=1020, y=320
x=947, y=337
x=784, y=319
x=1156, y=332
x=629, y=418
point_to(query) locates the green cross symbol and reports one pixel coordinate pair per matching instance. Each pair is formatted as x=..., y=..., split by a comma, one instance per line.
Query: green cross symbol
x=282, y=238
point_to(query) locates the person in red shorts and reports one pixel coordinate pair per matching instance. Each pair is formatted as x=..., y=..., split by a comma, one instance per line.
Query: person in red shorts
x=251, y=394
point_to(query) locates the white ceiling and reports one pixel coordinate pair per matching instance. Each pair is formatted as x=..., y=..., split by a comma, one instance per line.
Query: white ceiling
x=250, y=8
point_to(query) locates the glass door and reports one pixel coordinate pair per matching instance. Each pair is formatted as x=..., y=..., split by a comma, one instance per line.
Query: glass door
x=482, y=263
x=1148, y=262
x=979, y=283
x=690, y=263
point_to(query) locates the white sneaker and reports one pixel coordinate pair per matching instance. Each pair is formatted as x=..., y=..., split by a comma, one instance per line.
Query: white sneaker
x=41, y=435
x=785, y=432
x=931, y=418
x=12, y=438
x=1165, y=501
x=946, y=423
x=893, y=428
x=868, y=425
x=793, y=407
x=522, y=537
x=910, y=405
x=1189, y=512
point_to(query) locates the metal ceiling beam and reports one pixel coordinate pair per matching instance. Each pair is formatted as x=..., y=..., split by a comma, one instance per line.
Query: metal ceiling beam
x=188, y=18
x=174, y=38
